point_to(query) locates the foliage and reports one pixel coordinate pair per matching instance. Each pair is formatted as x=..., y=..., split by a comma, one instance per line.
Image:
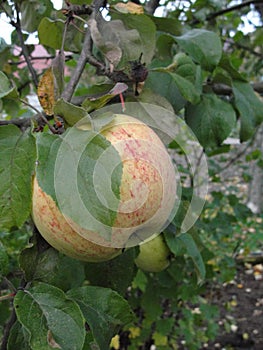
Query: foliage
x=195, y=61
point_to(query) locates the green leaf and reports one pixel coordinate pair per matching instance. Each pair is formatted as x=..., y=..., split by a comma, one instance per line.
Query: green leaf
x=96, y=102
x=47, y=149
x=32, y=12
x=105, y=311
x=50, y=33
x=17, y=161
x=18, y=338
x=186, y=88
x=203, y=46
x=194, y=253
x=163, y=84
x=212, y=120
x=82, y=172
x=232, y=72
x=167, y=25
x=51, y=267
x=69, y=112
x=4, y=260
x=250, y=108
x=6, y=88
x=45, y=310
x=116, y=274
x=147, y=31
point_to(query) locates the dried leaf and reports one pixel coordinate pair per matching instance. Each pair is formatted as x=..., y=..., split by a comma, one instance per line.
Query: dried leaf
x=46, y=92
x=129, y=7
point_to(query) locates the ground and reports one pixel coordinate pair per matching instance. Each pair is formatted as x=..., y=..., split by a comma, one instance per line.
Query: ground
x=241, y=310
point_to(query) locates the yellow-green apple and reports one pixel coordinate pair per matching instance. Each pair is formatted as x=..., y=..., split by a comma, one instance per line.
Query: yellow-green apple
x=147, y=196
x=153, y=255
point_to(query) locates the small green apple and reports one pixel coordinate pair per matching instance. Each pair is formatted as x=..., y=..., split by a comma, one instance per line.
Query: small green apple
x=153, y=255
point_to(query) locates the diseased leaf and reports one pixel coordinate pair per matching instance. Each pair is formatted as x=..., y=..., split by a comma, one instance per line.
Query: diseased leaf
x=43, y=309
x=46, y=92
x=129, y=7
x=212, y=120
x=17, y=162
x=104, y=310
x=203, y=46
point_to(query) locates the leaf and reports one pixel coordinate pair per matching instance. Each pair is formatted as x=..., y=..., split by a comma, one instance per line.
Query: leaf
x=97, y=102
x=46, y=92
x=51, y=267
x=18, y=338
x=50, y=33
x=4, y=260
x=250, y=108
x=6, y=88
x=69, y=112
x=129, y=7
x=47, y=149
x=32, y=12
x=203, y=46
x=43, y=309
x=142, y=33
x=82, y=172
x=17, y=162
x=105, y=311
x=186, y=88
x=116, y=274
x=212, y=120
x=194, y=253
x=167, y=25
x=109, y=48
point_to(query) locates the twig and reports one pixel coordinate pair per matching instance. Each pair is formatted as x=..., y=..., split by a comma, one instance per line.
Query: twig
x=228, y=9
x=17, y=26
x=151, y=6
x=39, y=58
x=51, y=128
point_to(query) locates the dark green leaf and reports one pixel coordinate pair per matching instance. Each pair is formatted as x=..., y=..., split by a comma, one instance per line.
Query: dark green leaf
x=18, y=338
x=117, y=273
x=194, y=253
x=104, y=310
x=203, y=46
x=211, y=120
x=250, y=108
x=17, y=162
x=45, y=310
x=167, y=25
x=4, y=260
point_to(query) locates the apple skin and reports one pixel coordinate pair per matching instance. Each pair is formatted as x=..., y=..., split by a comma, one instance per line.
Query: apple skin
x=147, y=196
x=153, y=255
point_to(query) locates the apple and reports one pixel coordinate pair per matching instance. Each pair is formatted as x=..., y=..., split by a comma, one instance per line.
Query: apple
x=147, y=196
x=153, y=255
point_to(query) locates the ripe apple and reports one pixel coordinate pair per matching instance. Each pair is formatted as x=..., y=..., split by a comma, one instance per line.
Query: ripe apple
x=147, y=196
x=153, y=255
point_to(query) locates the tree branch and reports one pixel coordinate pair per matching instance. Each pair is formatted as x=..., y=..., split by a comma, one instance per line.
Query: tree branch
x=151, y=6
x=228, y=9
x=222, y=89
x=17, y=26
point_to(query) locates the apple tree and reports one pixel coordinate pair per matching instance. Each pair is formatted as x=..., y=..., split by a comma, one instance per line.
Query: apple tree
x=188, y=77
